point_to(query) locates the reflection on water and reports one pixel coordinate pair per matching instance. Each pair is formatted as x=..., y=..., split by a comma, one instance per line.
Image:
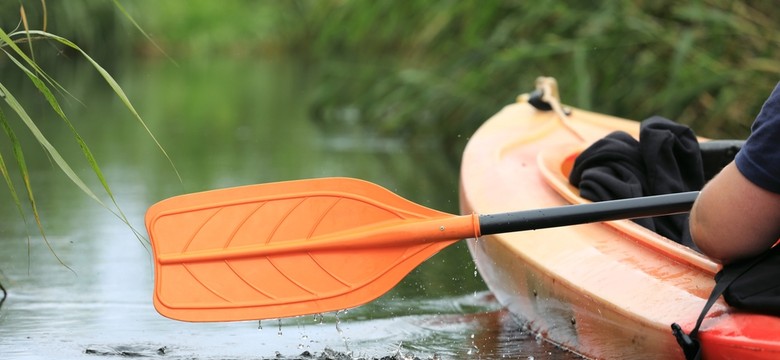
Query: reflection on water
x=224, y=123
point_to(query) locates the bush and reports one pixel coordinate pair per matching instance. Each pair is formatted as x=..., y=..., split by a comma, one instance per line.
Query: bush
x=415, y=67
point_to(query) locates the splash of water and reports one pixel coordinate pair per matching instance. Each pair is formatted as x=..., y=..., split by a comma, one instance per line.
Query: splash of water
x=338, y=323
x=341, y=332
x=399, y=355
x=473, y=349
x=304, y=340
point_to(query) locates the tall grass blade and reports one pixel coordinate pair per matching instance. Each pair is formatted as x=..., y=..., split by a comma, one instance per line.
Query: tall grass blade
x=12, y=188
x=103, y=73
x=55, y=106
x=7, y=178
x=115, y=87
x=141, y=30
x=23, y=15
x=22, y=165
x=45, y=14
x=41, y=86
x=58, y=159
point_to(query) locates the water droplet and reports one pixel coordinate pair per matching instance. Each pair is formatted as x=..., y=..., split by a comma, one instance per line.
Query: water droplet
x=341, y=332
x=473, y=350
x=304, y=341
x=319, y=318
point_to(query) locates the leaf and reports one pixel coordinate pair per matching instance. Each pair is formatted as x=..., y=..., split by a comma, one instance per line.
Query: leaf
x=45, y=14
x=106, y=77
x=39, y=79
x=82, y=144
x=58, y=159
x=34, y=76
x=26, y=28
x=22, y=165
x=141, y=30
x=10, y=184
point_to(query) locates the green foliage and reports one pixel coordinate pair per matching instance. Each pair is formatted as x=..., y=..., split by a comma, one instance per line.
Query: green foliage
x=93, y=24
x=206, y=28
x=24, y=61
x=445, y=66
x=407, y=69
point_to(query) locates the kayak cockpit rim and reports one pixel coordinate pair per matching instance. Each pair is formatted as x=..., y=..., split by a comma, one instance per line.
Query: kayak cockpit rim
x=555, y=165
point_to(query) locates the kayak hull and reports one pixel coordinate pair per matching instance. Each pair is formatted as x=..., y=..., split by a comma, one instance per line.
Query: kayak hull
x=605, y=290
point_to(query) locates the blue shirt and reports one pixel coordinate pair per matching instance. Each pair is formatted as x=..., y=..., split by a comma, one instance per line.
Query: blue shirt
x=759, y=158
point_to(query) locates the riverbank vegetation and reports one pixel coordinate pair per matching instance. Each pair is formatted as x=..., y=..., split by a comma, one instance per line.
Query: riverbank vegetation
x=414, y=68
x=709, y=64
x=21, y=117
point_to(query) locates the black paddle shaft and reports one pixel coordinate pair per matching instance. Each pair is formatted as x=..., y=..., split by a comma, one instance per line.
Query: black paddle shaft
x=647, y=206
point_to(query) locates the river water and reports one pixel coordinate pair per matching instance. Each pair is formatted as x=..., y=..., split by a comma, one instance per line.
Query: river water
x=224, y=123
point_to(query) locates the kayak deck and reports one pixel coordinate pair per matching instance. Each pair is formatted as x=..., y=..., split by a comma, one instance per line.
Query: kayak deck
x=606, y=290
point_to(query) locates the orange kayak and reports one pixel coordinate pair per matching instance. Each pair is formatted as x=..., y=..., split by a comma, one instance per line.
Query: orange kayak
x=602, y=290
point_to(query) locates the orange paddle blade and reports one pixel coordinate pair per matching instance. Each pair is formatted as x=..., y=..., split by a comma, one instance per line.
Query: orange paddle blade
x=289, y=248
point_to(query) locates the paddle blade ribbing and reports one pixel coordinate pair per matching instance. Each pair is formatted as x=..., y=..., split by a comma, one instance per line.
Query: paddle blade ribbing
x=290, y=248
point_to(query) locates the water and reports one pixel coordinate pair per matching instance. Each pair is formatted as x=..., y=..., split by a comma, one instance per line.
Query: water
x=224, y=123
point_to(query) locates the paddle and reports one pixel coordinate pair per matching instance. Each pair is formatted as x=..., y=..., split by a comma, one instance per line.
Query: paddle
x=311, y=246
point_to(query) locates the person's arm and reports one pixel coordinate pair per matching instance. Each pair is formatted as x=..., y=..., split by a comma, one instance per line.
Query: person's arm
x=734, y=218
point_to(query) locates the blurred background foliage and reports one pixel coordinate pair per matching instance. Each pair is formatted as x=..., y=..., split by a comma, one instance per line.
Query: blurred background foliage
x=408, y=69
x=448, y=65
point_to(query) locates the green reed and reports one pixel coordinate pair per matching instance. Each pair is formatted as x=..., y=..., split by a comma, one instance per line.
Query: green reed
x=410, y=68
x=20, y=53
x=445, y=66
